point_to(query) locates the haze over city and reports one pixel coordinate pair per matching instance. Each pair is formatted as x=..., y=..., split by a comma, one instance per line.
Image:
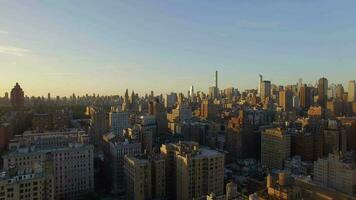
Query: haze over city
x=104, y=47
x=177, y=100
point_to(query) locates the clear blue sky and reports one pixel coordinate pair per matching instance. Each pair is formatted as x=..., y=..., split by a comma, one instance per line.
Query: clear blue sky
x=86, y=46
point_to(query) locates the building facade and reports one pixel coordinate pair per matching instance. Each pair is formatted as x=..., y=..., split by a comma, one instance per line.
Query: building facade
x=275, y=147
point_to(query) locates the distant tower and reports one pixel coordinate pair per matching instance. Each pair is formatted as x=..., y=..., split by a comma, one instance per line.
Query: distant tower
x=260, y=80
x=216, y=79
x=300, y=83
x=352, y=91
x=322, y=92
x=191, y=91
x=17, y=96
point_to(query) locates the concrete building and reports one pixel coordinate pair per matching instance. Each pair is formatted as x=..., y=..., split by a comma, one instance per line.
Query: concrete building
x=137, y=178
x=48, y=140
x=145, y=177
x=208, y=110
x=118, y=150
x=296, y=102
x=303, y=144
x=283, y=187
x=275, y=147
x=336, y=171
x=191, y=94
x=192, y=171
x=99, y=124
x=171, y=100
x=259, y=88
x=73, y=167
x=169, y=152
x=158, y=176
x=351, y=95
x=265, y=90
x=213, y=93
x=340, y=91
x=286, y=100
x=287, y=187
x=305, y=96
x=241, y=143
x=296, y=166
x=181, y=113
x=29, y=184
x=157, y=109
x=332, y=91
x=118, y=121
x=322, y=92
x=335, y=138
x=336, y=107
x=5, y=135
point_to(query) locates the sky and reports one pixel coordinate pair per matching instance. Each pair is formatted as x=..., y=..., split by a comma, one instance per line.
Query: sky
x=104, y=47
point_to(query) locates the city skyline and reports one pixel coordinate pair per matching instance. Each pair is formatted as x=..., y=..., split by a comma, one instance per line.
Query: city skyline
x=187, y=92
x=61, y=48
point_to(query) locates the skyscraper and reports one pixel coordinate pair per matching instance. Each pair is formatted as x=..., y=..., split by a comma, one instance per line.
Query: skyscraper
x=260, y=84
x=305, y=97
x=216, y=79
x=265, y=90
x=208, y=110
x=99, y=124
x=214, y=90
x=145, y=177
x=275, y=147
x=300, y=83
x=118, y=121
x=286, y=100
x=157, y=109
x=170, y=100
x=323, y=92
x=193, y=171
x=339, y=91
x=332, y=91
x=191, y=92
x=351, y=97
x=138, y=178
x=17, y=96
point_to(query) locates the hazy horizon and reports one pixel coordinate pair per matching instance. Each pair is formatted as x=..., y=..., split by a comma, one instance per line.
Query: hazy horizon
x=80, y=47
